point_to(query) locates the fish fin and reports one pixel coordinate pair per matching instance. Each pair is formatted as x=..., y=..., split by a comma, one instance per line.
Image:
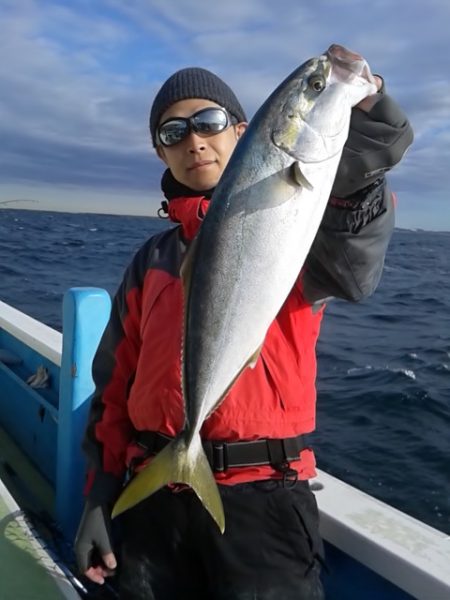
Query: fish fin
x=254, y=358
x=251, y=362
x=299, y=176
x=178, y=462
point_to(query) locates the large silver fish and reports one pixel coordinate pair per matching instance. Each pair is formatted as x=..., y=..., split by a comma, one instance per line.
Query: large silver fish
x=259, y=228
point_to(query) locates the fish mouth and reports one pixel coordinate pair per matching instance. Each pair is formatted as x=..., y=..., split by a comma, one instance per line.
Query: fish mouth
x=349, y=61
x=341, y=54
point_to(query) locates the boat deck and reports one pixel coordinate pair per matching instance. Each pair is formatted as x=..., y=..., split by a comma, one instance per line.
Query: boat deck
x=27, y=571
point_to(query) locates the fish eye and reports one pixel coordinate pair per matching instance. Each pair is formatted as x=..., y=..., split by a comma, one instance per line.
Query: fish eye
x=316, y=82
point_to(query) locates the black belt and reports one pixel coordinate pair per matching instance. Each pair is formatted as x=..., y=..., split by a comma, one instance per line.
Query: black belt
x=222, y=455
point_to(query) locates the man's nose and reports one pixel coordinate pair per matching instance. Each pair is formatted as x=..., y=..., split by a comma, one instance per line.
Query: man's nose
x=195, y=142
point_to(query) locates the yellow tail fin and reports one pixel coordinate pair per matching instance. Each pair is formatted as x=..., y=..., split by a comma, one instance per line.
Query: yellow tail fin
x=176, y=463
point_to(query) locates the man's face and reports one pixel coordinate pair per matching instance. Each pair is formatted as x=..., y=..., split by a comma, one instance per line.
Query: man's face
x=198, y=161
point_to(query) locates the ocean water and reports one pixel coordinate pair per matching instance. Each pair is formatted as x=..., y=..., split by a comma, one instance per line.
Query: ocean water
x=383, y=418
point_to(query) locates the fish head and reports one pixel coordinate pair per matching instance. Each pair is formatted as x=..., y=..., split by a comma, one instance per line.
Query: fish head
x=313, y=120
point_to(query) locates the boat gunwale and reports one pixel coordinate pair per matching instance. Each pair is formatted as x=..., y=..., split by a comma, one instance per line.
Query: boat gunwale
x=39, y=337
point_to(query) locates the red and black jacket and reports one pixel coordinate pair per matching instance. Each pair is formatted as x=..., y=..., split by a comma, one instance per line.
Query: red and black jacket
x=137, y=366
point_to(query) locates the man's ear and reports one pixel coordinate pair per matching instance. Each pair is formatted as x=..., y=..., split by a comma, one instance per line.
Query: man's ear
x=160, y=152
x=240, y=128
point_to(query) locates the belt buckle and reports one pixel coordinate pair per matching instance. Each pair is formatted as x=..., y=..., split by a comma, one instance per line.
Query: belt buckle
x=290, y=476
x=219, y=457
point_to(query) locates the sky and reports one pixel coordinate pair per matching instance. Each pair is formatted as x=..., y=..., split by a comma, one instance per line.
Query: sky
x=77, y=79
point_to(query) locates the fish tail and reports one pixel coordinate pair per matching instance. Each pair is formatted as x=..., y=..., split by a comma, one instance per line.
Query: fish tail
x=178, y=462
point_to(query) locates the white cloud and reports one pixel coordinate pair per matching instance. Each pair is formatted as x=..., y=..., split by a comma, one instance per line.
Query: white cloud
x=78, y=79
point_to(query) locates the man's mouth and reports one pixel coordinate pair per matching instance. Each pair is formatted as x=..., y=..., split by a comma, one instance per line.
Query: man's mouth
x=200, y=163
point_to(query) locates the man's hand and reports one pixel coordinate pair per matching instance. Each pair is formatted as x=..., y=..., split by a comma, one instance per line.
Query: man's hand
x=369, y=101
x=378, y=137
x=93, y=546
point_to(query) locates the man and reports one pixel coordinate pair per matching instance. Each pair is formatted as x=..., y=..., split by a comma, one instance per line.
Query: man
x=170, y=546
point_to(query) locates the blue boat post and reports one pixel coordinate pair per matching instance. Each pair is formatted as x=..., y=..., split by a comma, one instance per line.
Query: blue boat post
x=85, y=314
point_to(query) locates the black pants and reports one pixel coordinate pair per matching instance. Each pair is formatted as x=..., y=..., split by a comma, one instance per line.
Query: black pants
x=172, y=549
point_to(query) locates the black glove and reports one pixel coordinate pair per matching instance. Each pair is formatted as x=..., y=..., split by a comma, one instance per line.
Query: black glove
x=94, y=534
x=376, y=142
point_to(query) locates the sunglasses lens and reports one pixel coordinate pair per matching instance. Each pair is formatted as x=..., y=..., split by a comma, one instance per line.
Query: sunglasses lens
x=173, y=131
x=211, y=120
x=207, y=121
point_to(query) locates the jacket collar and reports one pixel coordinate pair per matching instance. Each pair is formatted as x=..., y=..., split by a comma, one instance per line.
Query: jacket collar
x=187, y=207
x=189, y=211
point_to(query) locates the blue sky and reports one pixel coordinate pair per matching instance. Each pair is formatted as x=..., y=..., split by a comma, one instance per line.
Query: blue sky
x=77, y=79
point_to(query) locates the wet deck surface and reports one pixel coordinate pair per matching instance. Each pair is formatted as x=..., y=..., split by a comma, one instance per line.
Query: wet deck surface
x=27, y=572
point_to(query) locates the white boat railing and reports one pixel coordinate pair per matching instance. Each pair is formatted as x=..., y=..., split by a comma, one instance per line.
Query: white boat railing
x=34, y=334
x=403, y=550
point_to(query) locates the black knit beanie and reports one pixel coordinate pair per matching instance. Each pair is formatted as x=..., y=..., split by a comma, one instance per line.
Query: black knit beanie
x=193, y=82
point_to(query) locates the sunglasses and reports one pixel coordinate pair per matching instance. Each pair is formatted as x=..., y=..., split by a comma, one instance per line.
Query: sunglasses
x=207, y=121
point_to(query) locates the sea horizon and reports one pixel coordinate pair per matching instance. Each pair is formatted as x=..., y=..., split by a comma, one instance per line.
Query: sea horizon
x=4, y=206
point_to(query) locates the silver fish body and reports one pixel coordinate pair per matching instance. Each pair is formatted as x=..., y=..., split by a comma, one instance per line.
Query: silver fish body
x=257, y=233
